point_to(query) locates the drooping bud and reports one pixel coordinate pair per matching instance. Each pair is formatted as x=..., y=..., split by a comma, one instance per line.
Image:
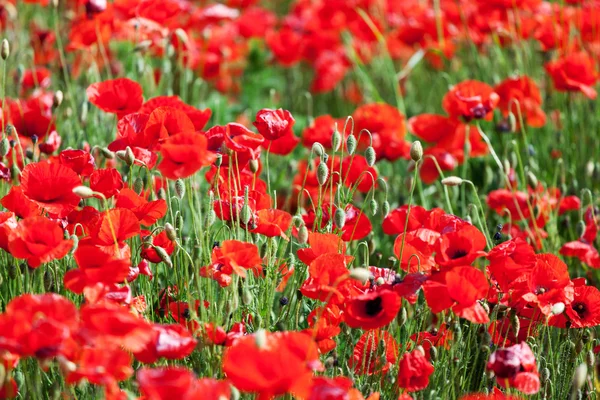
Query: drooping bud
x=170, y=232
x=532, y=179
x=5, y=51
x=162, y=253
x=247, y=297
x=4, y=147
x=416, y=151
x=303, y=234
x=322, y=173
x=360, y=274
x=318, y=149
x=370, y=156
x=138, y=185
x=339, y=218
x=336, y=140
x=253, y=166
x=107, y=153
x=180, y=188
x=385, y=208
x=83, y=191
x=373, y=205
x=452, y=181
x=351, y=144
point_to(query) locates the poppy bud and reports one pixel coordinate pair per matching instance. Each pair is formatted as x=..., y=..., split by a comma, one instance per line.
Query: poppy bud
x=351, y=144
x=218, y=160
x=246, y=214
x=515, y=323
x=512, y=122
x=180, y=188
x=339, y=218
x=83, y=191
x=235, y=393
x=532, y=179
x=416, y=151
x=391, y=262
x=163, y=255
x=170, y=231
x=580, y=376
x=318, y=149
x=433, y=354
x=211, y=217
x=5, y=52
x=253, y=166
x=260, y=338
x=545, y=374
x=379, y=281
x=162, y=194
x=382, y=184
x=15, y=172
x=303, y=234
x=507, y=167
x=336, y=140
x=402, y=317
x=385, y=208
x=452, y=181
x=107, y=153
x=4, y=147
x=2, y=375
x=373, y=206
x=558, y=308
x=247, y=297
x=370, y=156
x=360, y=274
x=322, y=173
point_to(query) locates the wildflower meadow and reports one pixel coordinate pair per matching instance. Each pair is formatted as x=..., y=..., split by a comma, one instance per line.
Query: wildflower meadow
x=299, y=199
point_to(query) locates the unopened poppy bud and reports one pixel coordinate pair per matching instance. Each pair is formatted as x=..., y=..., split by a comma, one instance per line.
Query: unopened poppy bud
x=162, y=253
x=260, y=338
x=171, y=232
x=83, y=191
x=506, y=166
x=129, y=157
x=590, y=359
x=512, y=122
x=180, y=188
x=211, y=217
x=433, y=353
x=138, y=185
x=339, y=218
x=373, y=205
x=391, y=262
x=452, y=181
x=318, y=149
x=402, y=317
x=247, y=297
x=515, y=323
x=379, y=281
x=351, y=144
x=253, y=166
x=107, y=153
x=246, y=214
x=370, y=156
x=303, y=234
x=382, y=184
x=4, y=147
x=336, y=140
x=58, y=98
x=580, y=376
x=9, y=130
x=545, y=374
x=322, y=173
x=558, y=308
x=5, y=52
x=532, y=179
x=385, y=208
x=416, y=151
x=162, y=194
x=235, y=393
x=360, y=274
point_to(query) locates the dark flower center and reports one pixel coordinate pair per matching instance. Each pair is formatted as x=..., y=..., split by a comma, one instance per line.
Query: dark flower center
x=580, y=309
x=458, y=254
x=373, y=307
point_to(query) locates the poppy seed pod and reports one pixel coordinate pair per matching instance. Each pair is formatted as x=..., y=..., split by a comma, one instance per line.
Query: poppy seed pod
x=83, y=191
x=180, y=188
x=322, y=173
x=339, y=218
x=360, y=274
x=4, y=147
x=5, y=52
x=452, y=181
x=370, y=156
x=170, y=231
x=351, y=144
x=416, y=151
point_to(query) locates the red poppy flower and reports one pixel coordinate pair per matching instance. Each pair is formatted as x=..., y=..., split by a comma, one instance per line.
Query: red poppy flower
x=51, y=186
x=322, y=331
x=574, y=72
x=147, y=212
x=521, y=96
x=584, y=311
x=198, y=117
x=79, y=161
x=372, y=310
x=115, y=226
x=357, y=173
x=387, y=127
x=338, y=388
x=284, y=145
x=414, y=371
x=272, y=223
x=321, y=131
x=272, y=364
x=330, y=68
x=233, y=256
x=170, y=341
x=515, y=367
x=166, y=383
x=286, y=45
x=106, y=181
x=8, y=223
x=120, y=96
x=375, y=352
x=101, y=365
x=161, y=240
x=184, y=154
x=510, y=261
x=319, y=244
x=328, y=278
x=460, y=247
x=470, y=100
x=435, y=337
x=274, y=124
x=38, y=240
